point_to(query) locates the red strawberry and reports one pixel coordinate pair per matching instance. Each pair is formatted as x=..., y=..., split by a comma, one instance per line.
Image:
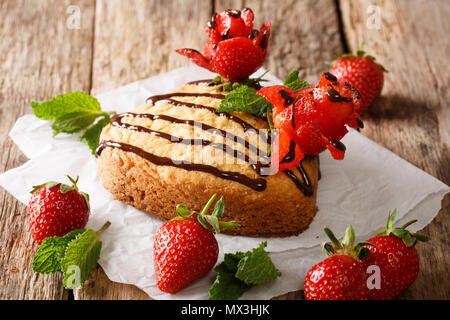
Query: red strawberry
x=235, y=50
x=340, y=276
x=315, y=118
x=396, y=257
x=362, y=72
x=286, y=153
x=55, y=209
x=185, y=248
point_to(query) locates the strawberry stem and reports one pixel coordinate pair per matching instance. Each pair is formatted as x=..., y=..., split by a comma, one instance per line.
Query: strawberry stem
x=208, y=204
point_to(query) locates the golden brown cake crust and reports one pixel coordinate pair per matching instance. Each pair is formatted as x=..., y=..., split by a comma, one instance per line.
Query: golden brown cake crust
x=280, y=210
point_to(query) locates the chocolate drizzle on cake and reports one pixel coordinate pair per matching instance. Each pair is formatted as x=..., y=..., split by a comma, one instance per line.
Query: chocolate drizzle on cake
x=261, y=168
x=305, y=185
x=258, y=184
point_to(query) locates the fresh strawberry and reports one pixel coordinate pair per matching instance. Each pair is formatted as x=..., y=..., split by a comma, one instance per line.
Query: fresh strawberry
x=315, y=118
x=340, y=276
x=286, y=153
x=55, y=209
x=396, y=257
x=185, y=248
x=363, y=72
x=235, y=49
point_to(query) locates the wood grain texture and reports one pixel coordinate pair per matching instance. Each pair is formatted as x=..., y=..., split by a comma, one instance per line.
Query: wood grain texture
x=412, y=116
x=39, y=58
x=136, y=39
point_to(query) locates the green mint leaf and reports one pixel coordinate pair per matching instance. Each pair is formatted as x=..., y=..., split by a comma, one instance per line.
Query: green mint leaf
x=65, y=103
x=227, y=286
x=92, y=135
x=74, y=122
x=293, y=82
x=51, y=252
x=244, y=99
x=81, y=257
x=238, y=272
x=256, y=267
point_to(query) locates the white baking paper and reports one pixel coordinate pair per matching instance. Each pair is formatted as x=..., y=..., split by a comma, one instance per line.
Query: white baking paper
x=360, y=190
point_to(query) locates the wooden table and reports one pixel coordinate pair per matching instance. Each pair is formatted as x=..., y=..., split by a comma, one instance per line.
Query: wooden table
x=44, y=51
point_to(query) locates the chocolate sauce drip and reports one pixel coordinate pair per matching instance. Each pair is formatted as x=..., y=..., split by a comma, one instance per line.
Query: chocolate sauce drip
x=334, y=96
x=157, y=98
x=258, y=184
x=256, y=165
x=338, y=145
x=167, y=97
x=330, y=77
x=226, y=35
x=247, y=9
x=360, y=123
x=263, y=43
x=212, y=24
x=304, y=186
x=293, y=116
x=233, y=13
x=200, y=82
x=213, y=130
x=288, y=99
x=290, y=156
x=253, y=34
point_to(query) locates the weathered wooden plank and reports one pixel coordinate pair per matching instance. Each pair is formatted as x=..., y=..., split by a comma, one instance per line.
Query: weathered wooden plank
x=40, y=56
x=135, y=40
x=412, y=116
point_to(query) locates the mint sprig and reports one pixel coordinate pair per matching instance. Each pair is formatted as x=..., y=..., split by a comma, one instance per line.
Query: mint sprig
x=245, y=99
x=75, y=254
x=74, y=112
x=51, y=252
x=293, y=82
x=241, y=271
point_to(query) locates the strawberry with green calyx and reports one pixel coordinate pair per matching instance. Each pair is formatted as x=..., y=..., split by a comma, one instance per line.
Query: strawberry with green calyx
x=347, y=246
x=361, y=71
x=340, y=276
x=396, y=256
x=55, y=209
x=185, y=247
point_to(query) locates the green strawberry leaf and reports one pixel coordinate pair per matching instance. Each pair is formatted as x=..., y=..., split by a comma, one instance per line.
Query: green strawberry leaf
x=47, y=185
x=245, y=99
x=219, y=208
x=293, y=82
